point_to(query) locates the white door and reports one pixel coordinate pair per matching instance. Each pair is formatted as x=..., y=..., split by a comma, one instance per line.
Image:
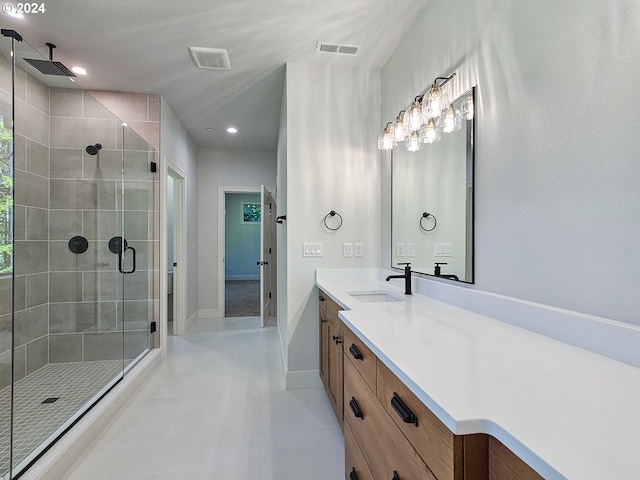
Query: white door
x=265, y=262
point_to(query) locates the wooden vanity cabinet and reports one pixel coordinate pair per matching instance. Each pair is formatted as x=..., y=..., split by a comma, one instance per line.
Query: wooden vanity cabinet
x=331, y=357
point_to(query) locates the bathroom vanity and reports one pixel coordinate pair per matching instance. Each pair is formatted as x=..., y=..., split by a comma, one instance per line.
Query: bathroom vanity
x=427, y=390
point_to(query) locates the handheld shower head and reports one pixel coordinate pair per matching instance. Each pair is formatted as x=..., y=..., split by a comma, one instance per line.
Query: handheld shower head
x=94, y=149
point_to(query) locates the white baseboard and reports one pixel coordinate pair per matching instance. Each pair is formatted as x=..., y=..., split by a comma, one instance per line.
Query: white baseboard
x=303, y=379
x=191, y=320
x=209, y=313
x=242, y=277
x=60, y=458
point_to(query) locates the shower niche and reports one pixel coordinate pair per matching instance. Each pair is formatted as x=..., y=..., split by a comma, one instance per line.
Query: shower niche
x=75, y=310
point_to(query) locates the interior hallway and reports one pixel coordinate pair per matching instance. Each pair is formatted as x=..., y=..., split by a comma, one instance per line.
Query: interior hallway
x=217, y=408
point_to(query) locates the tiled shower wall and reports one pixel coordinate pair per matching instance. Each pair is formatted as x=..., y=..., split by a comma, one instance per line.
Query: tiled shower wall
x=71, y=307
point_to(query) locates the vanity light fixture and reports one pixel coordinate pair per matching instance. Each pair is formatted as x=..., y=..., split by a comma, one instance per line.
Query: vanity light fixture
x=413, y=115
x=437, y=100
x=399, y=128
x=386, y=141
x=413, y=142
x=430, y=133
x=451, y=120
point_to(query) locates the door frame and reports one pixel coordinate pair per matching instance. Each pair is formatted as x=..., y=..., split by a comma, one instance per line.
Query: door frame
x=222, y=191
x=180, y=237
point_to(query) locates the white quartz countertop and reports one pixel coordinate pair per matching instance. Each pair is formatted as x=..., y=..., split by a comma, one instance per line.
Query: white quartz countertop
x=566, y=412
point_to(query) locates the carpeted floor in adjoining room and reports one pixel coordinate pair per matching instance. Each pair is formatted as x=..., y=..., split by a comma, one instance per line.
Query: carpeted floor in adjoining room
x=242, y=298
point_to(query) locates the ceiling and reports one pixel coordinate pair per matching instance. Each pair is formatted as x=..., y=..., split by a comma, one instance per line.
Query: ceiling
x=141, y=46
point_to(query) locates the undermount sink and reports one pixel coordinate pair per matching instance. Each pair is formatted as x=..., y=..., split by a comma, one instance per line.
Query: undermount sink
x=371, y=297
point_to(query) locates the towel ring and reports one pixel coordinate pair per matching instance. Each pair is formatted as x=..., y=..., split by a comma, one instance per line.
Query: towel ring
x=332, y=213
x=427, y=215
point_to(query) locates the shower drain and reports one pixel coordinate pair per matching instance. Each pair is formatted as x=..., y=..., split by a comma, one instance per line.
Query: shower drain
x=51, y=399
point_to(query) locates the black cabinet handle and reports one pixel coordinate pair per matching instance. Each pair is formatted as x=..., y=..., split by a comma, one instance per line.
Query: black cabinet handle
x=355, y=408
x=353, y=475
x=353, y=350
x=403, y=411
x=395, y=476
x=337, y=340
x=321, y=298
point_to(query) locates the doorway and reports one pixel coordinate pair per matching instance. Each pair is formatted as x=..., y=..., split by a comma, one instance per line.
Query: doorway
x=246, y=274
x=176, y=250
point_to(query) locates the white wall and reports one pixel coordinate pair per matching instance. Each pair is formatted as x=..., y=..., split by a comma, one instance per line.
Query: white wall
x=281, y=228
x=230, y=168
x=556, y=146
x=332, y=163
x=180, y=150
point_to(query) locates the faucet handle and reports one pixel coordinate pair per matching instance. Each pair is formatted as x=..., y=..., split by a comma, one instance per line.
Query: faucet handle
x=405, y=263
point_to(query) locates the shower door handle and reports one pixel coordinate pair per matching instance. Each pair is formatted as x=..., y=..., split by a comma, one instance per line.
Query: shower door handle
x=121, y=260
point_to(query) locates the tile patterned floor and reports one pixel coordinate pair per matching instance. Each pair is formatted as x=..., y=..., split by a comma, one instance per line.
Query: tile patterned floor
x=74, y=384
x=217, y=408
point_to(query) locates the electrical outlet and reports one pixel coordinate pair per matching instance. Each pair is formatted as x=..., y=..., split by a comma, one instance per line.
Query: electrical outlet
x=411, y=249
x=358, y=250
x=401, y=249
x=348, y=249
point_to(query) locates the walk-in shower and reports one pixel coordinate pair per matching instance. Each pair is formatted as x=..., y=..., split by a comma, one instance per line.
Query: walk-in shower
x=76, y=307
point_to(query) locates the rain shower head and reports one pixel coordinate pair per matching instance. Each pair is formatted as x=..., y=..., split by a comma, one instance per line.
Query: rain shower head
x=49, y=67
x=93, y=149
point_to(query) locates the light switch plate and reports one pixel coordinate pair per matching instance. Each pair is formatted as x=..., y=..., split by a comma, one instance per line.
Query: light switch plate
x=411, y=249
x=401, y=249
x=311, y=249
x=442, y=249
x=358, y=249
x=348, y=249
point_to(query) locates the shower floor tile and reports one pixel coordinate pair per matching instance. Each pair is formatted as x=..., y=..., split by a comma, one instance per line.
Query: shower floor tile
x=71, y=384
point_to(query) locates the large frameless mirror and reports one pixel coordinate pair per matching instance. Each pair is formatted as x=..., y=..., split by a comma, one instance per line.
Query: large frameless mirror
x=432, y=202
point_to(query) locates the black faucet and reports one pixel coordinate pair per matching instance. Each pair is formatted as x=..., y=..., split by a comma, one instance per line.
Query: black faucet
x=406, y=276
x=437, y=271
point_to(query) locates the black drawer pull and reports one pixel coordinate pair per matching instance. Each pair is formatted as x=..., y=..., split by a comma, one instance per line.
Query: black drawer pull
x=355, y=408
x=353, y=350
x=395, y=476
x=403, y=411
x=353, y=475
x=321, y=298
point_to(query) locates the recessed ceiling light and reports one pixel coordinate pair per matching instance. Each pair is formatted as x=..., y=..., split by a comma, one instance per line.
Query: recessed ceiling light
x=232, y=130
x=79, y=70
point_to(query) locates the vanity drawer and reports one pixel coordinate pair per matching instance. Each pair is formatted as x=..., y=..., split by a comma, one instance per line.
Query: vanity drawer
x=322, y=300
x=384, y=446
x=361, y=357
x=436, y=444
x=355, y=465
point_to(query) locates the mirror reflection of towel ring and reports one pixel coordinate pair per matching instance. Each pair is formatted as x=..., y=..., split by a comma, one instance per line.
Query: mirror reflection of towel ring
x=427, y=215
x=332, y=213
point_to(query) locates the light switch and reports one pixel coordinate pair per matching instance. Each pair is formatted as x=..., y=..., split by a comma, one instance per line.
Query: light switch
x=348, y=249
x=358, y=250
x=401, y=249
x=311, y=249
x=411, y=249
x=442, y=249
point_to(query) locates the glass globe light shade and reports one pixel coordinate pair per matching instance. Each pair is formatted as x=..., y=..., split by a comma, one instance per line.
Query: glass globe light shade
x=413, y=142
x=430, y=133
x=467, y=108
x=450, y=120
x=413, y=117
x=399, y=128
x=386, y=140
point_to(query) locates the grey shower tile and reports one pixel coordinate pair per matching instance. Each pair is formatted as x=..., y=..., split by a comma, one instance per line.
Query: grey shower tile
x=30, y=256
x=136, y=225
x=65, y=224
x=31, y=122
x=137, y=166
x=135, y=342
x=5, y=369
x=37, y=158
x=154, y=108
x=137, y=286
x=65, y=347
x=137, y=314
x=103, y=346
x=31, y=190
x=19, y=292
x=125, y=105
x=80, y=132
x=19, y=151
x=83, y=194
x=5, y=333
x=19, y=363
x=97, y=257
x=66, y=102
x=65, y=286
x=36, y=223
x=102, y=286
x=65, y=163
x=95, y=107
x=37, y=287
x=37, y=94
x=6, y=293
x=101, y=224
x=82, y=317
x=19, y=219
x=142, y=136
x=106, y=165
x=137, y=195
x=37, y=354
x=31, y=324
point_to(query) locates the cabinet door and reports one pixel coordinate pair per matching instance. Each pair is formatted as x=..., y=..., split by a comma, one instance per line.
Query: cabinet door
x=355, y=465
x=336, y=374
x=325, y=345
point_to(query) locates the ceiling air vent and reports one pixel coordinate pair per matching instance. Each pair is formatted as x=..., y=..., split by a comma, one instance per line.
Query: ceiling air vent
x=337, y=48
x=210, y=58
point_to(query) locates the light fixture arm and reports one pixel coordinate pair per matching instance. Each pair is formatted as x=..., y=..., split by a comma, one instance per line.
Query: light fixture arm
x=446, y=79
